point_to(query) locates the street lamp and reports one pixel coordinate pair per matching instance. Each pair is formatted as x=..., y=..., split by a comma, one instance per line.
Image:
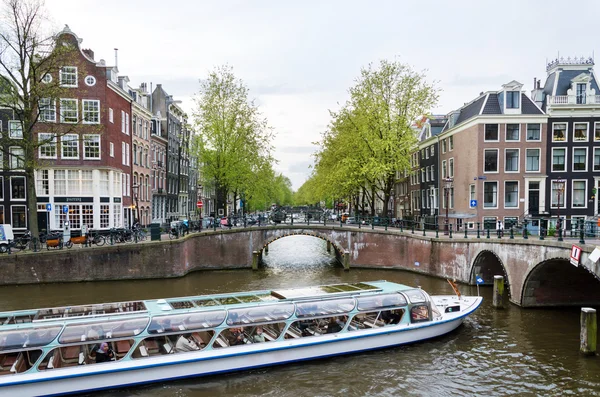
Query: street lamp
x=447, y=186
x=137, y=202
x=559, y=186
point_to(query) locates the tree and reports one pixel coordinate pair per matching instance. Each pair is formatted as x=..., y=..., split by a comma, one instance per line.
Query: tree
x=28, y=53
x=234, y=140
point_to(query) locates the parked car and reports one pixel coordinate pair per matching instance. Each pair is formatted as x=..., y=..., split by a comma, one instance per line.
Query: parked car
x=351, y=220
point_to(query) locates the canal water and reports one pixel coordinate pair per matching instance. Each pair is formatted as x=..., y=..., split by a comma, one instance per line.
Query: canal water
x=495, y=353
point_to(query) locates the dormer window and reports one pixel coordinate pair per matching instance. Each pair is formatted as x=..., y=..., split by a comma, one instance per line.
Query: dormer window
x=580, y=93
x=513, y=99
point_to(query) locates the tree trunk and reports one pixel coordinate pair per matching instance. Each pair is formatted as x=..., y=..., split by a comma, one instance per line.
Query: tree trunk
x=372, y=200
x=32, y=202
x=362, y=201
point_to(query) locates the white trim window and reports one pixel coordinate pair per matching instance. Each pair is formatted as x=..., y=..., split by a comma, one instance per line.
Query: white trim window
x=17, y=188
x=443, y=145
x=579, y=159
x=111, y=149
x=472, y=195
x=579, y=193
x=511, y=160
x=511, y=194
x=47, y=79
x=513, y=99
x=127, y=123
x=91, y=111
x=90, y=81
x=451, y=167
x=490, y=161
x=15, y=129
x=111, y=116
x=491, y=133
x=555, y=196
x=513, y=132
x=596, y=159
x=431, y=173
x=69, y=145
x=490, y=194
x=559, y=159
x=580, y=132
x=123, y=121
x=47, y=109
x=60, y=182
x=444, y=169
x=68, y=76
x=47, y=145
x=146, y=137
x=69, y=112
x=534, y=133
x=450, y=143
x=559, y=132
x=16, y=157
x=18, y=216
x=42, y=183
x=533, y=160
x=91, y=147
x=597, y=131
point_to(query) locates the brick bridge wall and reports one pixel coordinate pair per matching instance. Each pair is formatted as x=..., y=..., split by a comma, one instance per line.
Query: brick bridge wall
x=457, y=258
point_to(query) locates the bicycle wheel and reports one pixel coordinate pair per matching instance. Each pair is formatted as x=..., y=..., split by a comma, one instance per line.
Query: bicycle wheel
x=99, y=241
x=128, y=237
x=69, y=244
x=142, y=236
x=172, y=235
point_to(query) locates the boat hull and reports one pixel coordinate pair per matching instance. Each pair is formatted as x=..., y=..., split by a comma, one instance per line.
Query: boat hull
x=128, y=373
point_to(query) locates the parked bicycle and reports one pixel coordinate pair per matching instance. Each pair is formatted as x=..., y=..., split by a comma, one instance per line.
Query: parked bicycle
x=96, y=238
x=19, y=244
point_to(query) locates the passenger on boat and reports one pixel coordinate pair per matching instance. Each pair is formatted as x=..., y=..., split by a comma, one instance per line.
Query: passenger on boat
x=390, y=317
x=258, y=336
x=96, y=332
x=304, y=325
x=185, y=343
x=104, y=353
x=237, y=336
x=333, y=326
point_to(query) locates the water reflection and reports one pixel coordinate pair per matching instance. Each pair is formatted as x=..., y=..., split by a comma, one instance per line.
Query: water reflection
x=496, y=352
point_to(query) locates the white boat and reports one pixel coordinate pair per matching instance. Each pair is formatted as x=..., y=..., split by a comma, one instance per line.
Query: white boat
x=58, y=351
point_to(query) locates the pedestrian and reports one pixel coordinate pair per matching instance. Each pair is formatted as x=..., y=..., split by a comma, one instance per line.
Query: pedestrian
x=500, y=229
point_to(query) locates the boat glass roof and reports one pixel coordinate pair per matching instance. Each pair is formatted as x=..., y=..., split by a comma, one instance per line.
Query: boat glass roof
x=188, y=321
x=380, y=301
x=325, y=290
x=25, y=338
x=120, y=328
x=321, y=308
x=260, y=314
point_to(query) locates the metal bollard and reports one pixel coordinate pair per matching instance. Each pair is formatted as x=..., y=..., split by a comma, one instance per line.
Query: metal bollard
x=372, y=223
x=560, y=236
x=478, y=230
x=9, y=245
x=541, y=233
x=450, y=230
x=437, y=226
x=488, y=232
x=423, y=228
x=413, y=227
x=359, y=222
x=386, y=223
x=581, y=234
x=466, y=227
x=135, y=237
x=401, y=224
x=512, y=233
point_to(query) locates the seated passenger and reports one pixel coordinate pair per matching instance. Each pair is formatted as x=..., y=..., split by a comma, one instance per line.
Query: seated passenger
x=185, y=343
x=333, y=326
x=258, y=337
x=237, y=337
x=104, y=353
x=390, y=317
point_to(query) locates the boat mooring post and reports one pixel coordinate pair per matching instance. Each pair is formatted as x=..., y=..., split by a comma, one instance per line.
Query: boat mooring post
x=267, y=249
x=346, y=260
x=328, y=247
x=498, y=301
x=589, y=330
x=254, y=260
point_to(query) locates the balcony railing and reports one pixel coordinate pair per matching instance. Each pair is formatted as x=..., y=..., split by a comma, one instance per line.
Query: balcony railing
x=574, y=99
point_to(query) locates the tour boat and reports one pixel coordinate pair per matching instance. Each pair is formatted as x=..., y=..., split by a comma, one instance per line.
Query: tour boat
x=67, y=350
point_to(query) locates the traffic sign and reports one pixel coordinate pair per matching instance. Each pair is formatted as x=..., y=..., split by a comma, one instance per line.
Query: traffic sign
x=575, y=255
x=479, y=280
x=49, y=207
x=482, y=178
x=199, y=204
x=65, y=209
x=473, y=203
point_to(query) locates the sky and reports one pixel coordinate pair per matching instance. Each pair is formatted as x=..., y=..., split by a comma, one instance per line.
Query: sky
x=299, y=58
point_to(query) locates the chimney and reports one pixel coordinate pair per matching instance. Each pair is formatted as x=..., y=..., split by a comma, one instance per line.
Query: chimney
x=538, y=85
x=89, y=53
x=143, y=87
x=534, y=83
x=116, y=58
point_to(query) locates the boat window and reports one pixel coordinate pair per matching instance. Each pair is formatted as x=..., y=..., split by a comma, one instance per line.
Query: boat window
x=188, y=321
x=86, y=353
x=379, y=301
x=18, y=362
x=90, y=310
x=376, y=319
x=235, y=336
x=419, y=314
x=173, y=343
x=415, y=295
x=18, y=318
x=316, y=326
x=103, y=330
x=17, y=339
x=260, y=314
x=321, y=308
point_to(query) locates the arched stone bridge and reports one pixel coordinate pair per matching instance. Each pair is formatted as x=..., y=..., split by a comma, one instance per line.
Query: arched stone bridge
x=538, y=273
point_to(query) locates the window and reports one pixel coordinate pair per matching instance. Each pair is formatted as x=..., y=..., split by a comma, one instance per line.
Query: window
x=17, y=157
x=47, y=78
x=534, y=132
x=558, y=159
x=472, y=195
x=75, y=216
x=512, y=132
x=17, y=188
x=580, y=93
x=15, y=129
x=580, y=132
x=111, y=115
x=68, y=111
x=90, y=81
x=104, y=183
x=490, y=194
x=70, y=146
x=117, y=215
x=511, y=160
x=104, y=216
x=18, y=217
x=597, y=131
x=559, y=132
x=47, y=148
x=443, y=146
x=511, y=194
x=427, y=174
x=451, y=143
x=451, y=168
x=431, y=173
x=73, y=182
x=491, y=132
x=127, y=123
x=512, y=99
x=422, y=174
x=128, y=154
x=42, y=185
x=91, y=111
x=68, y=76
x=112, y=149
x=87, y=183
x=579, y=159
x=91, y=147
x=596, y=159
x=432, y=149
x=122, y=121
x=87, y=215
x=135, y=154
x=490, y=160
x=579, y=188
x=426, y=152
x=60, y=182
x=47, y=110
x=533, y=160
x=444, y=169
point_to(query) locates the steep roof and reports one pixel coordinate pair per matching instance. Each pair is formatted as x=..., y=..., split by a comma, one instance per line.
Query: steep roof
x=528, y=107
x=565, y=77
x=471, y=110
x=492, y=105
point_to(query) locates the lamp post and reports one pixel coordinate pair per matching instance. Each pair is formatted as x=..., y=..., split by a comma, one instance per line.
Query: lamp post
x=559, y=186
x=447, y=186
x=137, y=202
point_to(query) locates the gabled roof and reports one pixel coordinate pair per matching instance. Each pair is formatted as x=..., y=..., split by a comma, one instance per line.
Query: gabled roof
x=471, y=110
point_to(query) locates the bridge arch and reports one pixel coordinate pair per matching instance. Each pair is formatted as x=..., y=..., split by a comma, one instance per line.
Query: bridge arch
x=556, y=282
x=488, y=264
x=287, y=233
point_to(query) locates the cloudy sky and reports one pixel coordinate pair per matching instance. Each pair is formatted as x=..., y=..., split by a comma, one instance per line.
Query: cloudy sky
x=299, y=57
